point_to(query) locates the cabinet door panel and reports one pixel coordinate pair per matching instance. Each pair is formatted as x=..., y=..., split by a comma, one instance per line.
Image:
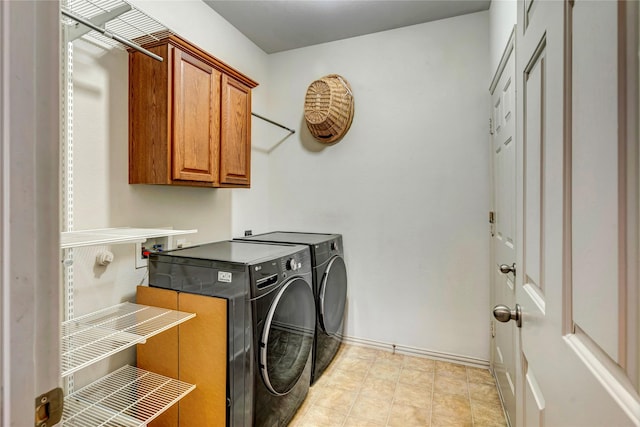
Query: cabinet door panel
x=196, y=102
x=235, y=150
x=149, y=95
x=203, y=360
x=160, y=353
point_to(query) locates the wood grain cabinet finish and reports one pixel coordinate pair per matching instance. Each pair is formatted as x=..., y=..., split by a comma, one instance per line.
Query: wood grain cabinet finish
x=235, y=165
x=189, y=118
x=194, y=352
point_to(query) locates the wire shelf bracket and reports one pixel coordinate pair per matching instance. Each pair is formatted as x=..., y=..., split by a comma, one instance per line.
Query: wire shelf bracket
x=111, y=24
x=77, y=30
x=110, y=35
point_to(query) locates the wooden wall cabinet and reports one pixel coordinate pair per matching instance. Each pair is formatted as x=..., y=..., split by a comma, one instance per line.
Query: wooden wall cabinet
x=194, y=351
x=189, y=118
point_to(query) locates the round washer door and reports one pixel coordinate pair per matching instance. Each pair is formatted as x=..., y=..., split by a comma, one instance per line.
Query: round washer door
x=333, y=296
x=287, y=337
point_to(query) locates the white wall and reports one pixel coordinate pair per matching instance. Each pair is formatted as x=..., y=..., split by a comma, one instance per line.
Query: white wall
x=408, y=187
x=502, y=18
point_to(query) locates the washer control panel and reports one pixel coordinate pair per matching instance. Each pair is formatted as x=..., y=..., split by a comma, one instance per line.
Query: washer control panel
x=267, y=274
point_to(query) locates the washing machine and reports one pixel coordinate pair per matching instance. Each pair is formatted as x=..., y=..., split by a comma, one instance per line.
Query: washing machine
x=271, y=319
x=329, y=288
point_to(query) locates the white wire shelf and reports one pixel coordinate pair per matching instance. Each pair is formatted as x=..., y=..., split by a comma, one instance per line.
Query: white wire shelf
x=107, y=236
x=127, y=397
x=134, y=25
x=96, y=336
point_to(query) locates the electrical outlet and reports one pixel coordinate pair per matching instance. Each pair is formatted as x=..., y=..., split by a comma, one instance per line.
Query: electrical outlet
x=248, y=232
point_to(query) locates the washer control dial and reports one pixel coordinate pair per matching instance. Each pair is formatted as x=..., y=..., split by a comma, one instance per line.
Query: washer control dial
x=292, y=264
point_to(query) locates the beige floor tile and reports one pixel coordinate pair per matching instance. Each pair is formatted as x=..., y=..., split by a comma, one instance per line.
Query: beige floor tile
x=416, y=377
x=450, y=407
x=453, y=421
x=479, y=376
x=352, y=363
x=390, y=355
x=318, y=416
x=486, y=414
x=451, y=370
x=385, y=363
x=484, y=392
x=386, y=369
x=360, y=422
x=371, y=409
x=450, y=385
x=324, y=379
x=370, y=387
x=412, y=395
x=404, y=415
x=419, y=363
x=361, y=352
x=346, y=379
x=379, y=388
x=337, y=399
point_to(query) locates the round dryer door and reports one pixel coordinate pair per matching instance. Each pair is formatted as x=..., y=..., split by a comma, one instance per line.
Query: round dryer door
x=287, y=337
x=333, y=296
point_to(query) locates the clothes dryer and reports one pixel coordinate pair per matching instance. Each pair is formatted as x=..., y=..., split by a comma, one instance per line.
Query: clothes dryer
x=329, y=288
x=270, y=330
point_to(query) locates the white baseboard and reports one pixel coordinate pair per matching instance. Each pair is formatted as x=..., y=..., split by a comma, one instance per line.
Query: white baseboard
x=420, y=352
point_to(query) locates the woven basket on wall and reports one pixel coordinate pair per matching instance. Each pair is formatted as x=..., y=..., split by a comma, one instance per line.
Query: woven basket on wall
x=328, y=108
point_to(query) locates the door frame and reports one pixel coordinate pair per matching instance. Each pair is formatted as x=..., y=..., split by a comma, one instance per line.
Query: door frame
x=29, y=194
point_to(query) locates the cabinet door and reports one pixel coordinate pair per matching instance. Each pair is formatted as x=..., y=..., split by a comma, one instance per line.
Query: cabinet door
x=202, y=349
x=196, y=119
x=160, y=353
x=235, y=147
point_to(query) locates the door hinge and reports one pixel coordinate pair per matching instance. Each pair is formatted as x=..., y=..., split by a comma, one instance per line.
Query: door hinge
x=490, y=126
x=492, y=217
x=493, y=329
x=49, y=408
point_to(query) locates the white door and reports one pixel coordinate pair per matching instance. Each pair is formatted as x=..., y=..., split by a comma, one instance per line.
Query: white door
x=577, y=213
x=29, y=266
x=503, y=155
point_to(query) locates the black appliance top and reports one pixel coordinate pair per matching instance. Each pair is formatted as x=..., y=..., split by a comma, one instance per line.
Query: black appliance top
x=236, y=251
x=293, y=237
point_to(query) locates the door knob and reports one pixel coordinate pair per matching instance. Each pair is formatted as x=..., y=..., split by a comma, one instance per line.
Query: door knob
x=502, y=313
x=505, y=269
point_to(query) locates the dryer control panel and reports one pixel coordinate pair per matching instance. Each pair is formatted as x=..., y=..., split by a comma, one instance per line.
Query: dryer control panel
x=326, y=250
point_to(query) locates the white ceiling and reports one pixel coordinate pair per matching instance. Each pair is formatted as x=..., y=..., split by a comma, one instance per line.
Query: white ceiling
x=282, y=25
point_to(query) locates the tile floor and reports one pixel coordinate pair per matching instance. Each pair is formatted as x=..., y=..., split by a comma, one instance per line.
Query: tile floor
x=367, y=387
